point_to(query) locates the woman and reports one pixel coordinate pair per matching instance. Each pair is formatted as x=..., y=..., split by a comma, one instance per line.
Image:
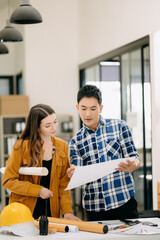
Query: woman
x=38, y=147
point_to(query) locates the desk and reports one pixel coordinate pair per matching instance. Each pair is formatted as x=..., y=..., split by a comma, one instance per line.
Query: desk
x=86, y=235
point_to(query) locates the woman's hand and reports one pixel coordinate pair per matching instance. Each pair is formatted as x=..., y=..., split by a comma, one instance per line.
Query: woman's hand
x=70, y=216
x=71, y=170
x=129, y=166
x=45, y=193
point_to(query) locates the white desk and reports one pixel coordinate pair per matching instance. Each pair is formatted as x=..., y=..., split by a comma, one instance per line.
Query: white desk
x=86, y=235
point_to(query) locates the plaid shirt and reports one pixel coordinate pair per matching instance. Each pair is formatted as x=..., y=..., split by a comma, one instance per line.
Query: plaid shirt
x=111, y=140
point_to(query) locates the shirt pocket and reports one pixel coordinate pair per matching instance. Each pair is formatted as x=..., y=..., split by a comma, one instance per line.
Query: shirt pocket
x=113, y=148
x=90, y=157
x=17, y=198
x=25, y=162
x=60, y=164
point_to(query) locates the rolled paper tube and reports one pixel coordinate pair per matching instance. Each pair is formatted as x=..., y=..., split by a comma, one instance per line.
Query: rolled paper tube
x=2, y=170
x=59, y=227
x=82, y=226
x=39, y=171
x=71, y=227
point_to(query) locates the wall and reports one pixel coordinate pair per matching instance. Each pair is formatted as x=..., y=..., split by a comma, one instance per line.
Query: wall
x=108, y=24
x=155, y=77
x=51, y=56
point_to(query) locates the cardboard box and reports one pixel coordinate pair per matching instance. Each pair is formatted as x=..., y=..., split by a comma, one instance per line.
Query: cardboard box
x=14, y=105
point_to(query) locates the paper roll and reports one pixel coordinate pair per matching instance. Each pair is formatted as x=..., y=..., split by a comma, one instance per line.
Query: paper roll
x=40, y=171
x=73, y=228
x=59, y=227
x=2, y=170
x=82, y=226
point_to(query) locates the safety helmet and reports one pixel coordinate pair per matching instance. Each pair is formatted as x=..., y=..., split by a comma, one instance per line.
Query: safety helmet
x=15, y=213
x=17, y=218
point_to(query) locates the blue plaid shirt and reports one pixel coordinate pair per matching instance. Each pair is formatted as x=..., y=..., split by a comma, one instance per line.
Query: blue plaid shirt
x=111, y=140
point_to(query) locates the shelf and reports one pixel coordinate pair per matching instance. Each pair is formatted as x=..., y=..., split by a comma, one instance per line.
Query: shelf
x=8, y=137
x=65, y=127
x=11, y=135
x=14, y=125
x=65, y=134
x=6, y=195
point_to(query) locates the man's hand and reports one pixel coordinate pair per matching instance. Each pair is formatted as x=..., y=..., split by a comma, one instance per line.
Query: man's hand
x=45, y=193
x=129, y=166
x=71, y=170
x=70, y=216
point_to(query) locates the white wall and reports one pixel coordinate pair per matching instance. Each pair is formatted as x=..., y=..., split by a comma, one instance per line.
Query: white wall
x=155, y=78
x=108, y=24
x=51, y=56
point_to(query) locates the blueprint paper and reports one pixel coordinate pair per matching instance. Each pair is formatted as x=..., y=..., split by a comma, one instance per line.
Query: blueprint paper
x=139, y=229
x=90, y=173
x=39, y=171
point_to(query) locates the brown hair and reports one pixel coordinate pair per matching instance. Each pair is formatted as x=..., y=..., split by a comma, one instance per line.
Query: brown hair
x=36, y=114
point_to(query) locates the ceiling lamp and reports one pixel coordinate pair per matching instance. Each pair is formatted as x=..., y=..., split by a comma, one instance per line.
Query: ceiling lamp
x=25, y=14
x=3, y=49
x=10, y=34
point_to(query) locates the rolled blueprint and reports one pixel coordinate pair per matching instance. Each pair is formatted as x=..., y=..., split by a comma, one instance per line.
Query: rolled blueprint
x=40, y=171
x=96, y=171
x=72, y=228
x=82, y=226
x=2, y=170
x=59, y=227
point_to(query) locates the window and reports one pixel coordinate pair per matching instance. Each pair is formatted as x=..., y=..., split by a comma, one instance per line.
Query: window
x=11, y=85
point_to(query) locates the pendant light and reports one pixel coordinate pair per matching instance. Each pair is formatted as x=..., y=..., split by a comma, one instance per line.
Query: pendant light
x=3, y=49
x=10, y=34
x=26, y=14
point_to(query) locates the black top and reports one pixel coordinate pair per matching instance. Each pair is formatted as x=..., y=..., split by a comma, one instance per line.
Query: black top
x=40, y=208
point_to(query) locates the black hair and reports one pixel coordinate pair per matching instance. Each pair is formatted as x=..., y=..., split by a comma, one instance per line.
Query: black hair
x=89, y=91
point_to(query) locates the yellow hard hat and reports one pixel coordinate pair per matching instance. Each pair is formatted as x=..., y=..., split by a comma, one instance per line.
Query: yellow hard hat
x=15, y=213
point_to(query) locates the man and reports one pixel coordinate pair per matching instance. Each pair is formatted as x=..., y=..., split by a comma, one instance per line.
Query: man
x=101, y=140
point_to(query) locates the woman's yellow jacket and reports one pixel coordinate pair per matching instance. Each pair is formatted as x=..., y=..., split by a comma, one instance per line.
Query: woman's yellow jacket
x=25, y=188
